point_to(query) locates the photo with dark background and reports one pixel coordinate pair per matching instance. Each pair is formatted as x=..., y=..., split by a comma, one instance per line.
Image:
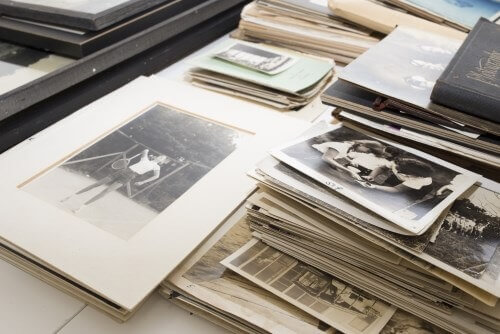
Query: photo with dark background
x=306, y=154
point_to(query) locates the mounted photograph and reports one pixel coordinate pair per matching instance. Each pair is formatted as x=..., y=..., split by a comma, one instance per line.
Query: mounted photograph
x=127, y=178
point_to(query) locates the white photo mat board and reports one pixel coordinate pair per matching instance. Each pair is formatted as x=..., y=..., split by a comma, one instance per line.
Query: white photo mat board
x=414, y=226
x=125, y=271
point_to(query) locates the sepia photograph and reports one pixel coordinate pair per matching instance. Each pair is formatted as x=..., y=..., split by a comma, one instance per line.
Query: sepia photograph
x=20, y=65
x=402, y=187
x=237, y=296
x=124, y=180
x=405, y=323
x=258, y=59
x=342, y=306
x=470, y=233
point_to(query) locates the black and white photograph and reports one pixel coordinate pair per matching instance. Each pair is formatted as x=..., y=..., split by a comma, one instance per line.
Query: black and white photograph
x=266, y=61
x=127, y=178
x=408, y=63
x=470, y=233
x=322, y=196
x=86, y=6
x=402, y=187
x=20, y=65
x=341, y=305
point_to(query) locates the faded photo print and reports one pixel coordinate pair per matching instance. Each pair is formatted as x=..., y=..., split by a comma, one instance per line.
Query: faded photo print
x=318, y=293
x=127, y=178
x=408, y=63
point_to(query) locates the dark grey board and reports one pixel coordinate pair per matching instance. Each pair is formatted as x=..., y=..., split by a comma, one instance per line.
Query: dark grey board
x=83, y=14
x=63, y=78
x=77, y=43
x=26, y=124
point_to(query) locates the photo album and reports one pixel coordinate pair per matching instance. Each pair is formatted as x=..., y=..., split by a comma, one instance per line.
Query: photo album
x=341, y=204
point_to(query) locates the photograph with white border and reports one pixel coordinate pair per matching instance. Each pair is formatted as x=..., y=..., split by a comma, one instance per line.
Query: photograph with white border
x=325, y=297
x=398, y=183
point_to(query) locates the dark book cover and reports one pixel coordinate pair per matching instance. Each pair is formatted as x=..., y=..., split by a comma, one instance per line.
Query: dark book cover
x=471, y=82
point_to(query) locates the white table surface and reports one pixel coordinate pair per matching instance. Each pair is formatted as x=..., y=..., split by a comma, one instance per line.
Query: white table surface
x=28, y=305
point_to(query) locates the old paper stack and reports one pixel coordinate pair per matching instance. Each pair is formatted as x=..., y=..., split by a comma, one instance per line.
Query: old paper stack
x=111, y=203
x=392, y=98
x=306, y=26
x=279, y=78
x=344, y=228
x=310, y=301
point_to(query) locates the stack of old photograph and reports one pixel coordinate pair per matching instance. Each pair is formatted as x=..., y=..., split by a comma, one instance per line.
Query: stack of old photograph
x=306, y=26
x=394, y=98
x=412, y=230
x=280, y=294
x=385, y=222
x=275, y=77
x=355, y=233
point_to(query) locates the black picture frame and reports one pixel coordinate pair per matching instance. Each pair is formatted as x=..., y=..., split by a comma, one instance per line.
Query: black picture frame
x=27, y=123
x=59, y=80
x=76, y=19
x=62, y=105
x=78, y=44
